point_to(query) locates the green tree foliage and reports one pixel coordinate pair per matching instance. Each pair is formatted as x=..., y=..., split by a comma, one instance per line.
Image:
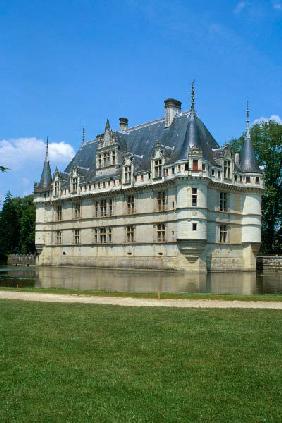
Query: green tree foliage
x=3, y=168
x=267, y=142
x=17, y=226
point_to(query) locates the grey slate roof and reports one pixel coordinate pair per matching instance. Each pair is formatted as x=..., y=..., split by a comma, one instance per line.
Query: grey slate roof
x=46, y=177
x=248, y=163
x=186, y=131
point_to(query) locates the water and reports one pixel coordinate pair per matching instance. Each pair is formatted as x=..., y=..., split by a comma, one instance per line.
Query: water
x=246, y=283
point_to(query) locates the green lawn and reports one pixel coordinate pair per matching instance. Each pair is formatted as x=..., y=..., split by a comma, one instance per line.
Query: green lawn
x=83, y=363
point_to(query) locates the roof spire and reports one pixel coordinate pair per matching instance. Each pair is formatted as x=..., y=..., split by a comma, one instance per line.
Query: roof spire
x=107, y=127
x=47, y=147
x=83, y=135
x=248, y=163
x=248, y=134
x=193, y=96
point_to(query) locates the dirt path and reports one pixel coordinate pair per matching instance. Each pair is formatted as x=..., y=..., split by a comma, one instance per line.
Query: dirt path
x=137, y=302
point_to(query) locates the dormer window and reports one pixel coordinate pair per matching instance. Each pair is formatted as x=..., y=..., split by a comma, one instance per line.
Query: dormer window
x=127, y=174
x=74, y=185
x=227, y=169
x=195, y=165
x=158, y=168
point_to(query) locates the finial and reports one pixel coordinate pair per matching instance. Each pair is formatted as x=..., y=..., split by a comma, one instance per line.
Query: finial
x=248, y=120
x=47, y=146
x=83, y=135
x=193, y=96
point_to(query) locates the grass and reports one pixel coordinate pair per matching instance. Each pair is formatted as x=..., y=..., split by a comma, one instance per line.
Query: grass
x=82, y=363
x=163, y=295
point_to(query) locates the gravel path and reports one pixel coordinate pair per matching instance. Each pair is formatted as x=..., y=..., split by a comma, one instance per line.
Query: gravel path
x=136, y=302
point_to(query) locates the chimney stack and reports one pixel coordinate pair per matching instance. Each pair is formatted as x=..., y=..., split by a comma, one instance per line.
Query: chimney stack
x=172, y=108
x=123, y=123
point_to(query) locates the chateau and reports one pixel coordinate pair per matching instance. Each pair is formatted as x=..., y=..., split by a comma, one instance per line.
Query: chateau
x=161, y=195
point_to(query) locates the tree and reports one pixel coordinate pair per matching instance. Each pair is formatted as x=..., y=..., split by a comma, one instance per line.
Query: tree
x=9, y=226
x=27, y=226
x=3, y=169
x=17, y=226
x=267, y=142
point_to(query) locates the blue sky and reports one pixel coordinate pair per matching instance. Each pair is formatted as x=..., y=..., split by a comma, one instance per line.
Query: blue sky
x=72, y=63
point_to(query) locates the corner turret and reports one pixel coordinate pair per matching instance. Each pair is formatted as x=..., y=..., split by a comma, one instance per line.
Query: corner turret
x=46, y=176
x=248, y=163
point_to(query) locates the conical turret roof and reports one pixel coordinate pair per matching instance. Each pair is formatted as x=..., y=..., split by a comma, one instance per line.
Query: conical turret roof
x=248, y=162
x=46, y=175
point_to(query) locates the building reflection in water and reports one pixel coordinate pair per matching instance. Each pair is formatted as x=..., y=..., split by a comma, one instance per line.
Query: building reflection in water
x=246, y=283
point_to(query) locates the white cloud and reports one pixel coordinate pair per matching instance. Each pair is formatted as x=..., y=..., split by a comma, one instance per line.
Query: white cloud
x=22, y=152
x=277, y=5
x=240, y=6
x=275, y=118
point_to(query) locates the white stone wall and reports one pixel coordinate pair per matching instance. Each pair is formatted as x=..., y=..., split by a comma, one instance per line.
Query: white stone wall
x=183, y=249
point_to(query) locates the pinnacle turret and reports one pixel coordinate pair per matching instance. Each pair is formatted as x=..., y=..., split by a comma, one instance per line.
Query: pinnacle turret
x=46, y=176
x=248, y=163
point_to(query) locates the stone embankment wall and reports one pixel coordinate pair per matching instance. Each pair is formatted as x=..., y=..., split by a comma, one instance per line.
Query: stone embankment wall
x=269, y=262
x=21, y=259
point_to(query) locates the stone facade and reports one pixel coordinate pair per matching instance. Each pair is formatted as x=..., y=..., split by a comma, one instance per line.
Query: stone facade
x=162, y=195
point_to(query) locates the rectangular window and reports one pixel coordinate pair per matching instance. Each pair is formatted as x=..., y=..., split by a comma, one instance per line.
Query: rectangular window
x=186, y=166
x=248, y=179
x=218, y=174
x=77, y=236
x=59, y=212
x=130, y=204
x=194, y=197
x=76, y=210
x=130, y=233
x=212, y=172
x=103, y=207
x=96, y=208
x=223, y=233
x=99, y=161
x=74, y=185
x=161, y=200
x=203, y=166
x=103, y=235
x=142, y=177
x=114, y=158
x=127, y=174
x=110, y=207
x=194, y=226
x=257, y=179
x=59, y=237
x=56, y=187
x=109, y=235
x=195, y=164
x=235, y=178
x=223, y=201
x=96, y=235
x=227, y=171
x=158, y=168
x=161, y=232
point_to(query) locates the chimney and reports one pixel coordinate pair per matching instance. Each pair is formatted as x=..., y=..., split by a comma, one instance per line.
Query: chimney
x=123, y=124
x=172, y=108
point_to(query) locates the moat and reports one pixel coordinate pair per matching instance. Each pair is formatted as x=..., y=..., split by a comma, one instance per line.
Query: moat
x=246, y=283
